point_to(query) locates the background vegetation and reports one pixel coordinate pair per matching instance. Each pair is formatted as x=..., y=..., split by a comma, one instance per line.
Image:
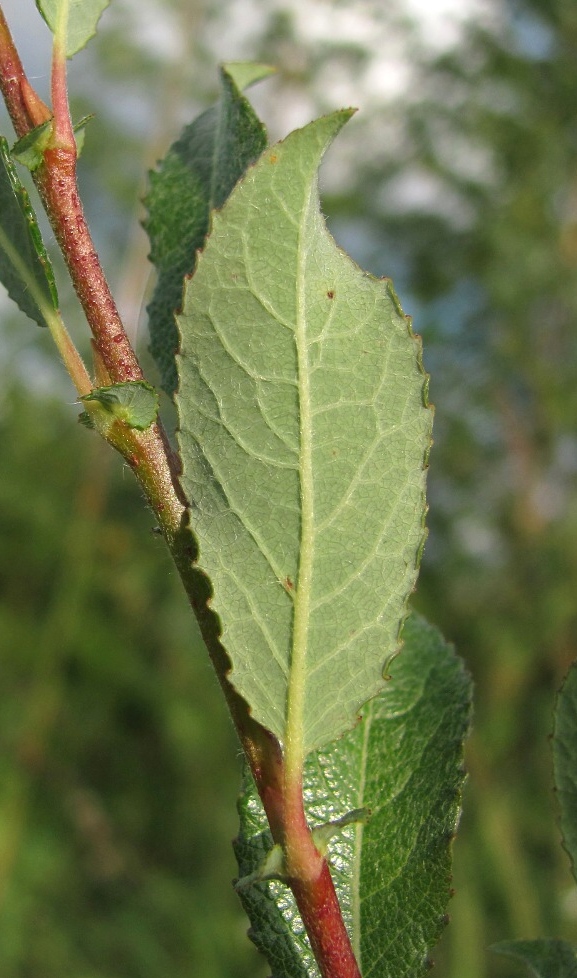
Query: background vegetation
x=118, y=768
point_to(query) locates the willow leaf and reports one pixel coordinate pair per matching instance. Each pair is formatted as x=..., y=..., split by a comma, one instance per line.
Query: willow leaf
x=403, y=761
x=304, y=437
x=196, y=175
x=25, y=268
x=77, y=18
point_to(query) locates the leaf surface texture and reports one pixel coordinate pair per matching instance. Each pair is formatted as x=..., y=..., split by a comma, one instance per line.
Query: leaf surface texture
x=80, y=17
x=304, y=437
x=197, y=174
x=404, y=761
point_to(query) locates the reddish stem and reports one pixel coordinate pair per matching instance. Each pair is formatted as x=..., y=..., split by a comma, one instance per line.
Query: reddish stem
x=56, y=182
x=63, y=135
x=314, y=891
x=152, y=460
x=321, y=915
x=26, y=108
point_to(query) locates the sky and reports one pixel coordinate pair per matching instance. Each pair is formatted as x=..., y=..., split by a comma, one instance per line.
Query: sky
x=230, y=34
x=324, y=32
x=317, y=70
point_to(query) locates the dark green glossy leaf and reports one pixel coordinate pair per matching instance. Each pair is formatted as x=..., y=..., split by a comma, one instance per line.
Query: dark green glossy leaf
x=565, y=762
x=197, y=175
x=25, y=268
x=545, y=958
x=403, y=761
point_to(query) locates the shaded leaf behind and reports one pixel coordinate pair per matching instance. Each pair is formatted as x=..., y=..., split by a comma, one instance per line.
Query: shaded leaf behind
x=404, y=761
x=197, y=175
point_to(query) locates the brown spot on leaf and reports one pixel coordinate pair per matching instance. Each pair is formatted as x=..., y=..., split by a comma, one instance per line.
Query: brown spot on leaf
x=330, y=294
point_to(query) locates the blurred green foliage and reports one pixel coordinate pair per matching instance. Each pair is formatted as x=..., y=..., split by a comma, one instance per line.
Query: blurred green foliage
x=118, y=766
x=501, y=574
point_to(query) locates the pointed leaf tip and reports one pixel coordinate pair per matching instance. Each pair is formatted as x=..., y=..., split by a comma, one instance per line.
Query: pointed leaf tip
x=246, y=73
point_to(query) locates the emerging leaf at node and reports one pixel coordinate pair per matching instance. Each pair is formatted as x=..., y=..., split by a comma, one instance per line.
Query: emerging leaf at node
x=271, y=868
x=30, y=149
x=322, y=834
x=133, y=402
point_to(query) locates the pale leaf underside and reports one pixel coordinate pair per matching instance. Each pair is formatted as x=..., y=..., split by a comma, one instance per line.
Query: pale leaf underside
x=82, y=16
x=304, y=435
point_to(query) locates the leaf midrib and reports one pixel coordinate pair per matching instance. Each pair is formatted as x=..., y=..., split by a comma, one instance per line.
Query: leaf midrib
x=358, y=839
x=61, y=26
x=294, y=741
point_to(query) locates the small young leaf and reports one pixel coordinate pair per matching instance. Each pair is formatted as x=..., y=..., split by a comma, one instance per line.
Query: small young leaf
x=30, y=149
x=135, y=402
x=25, y=268
x=404, y=762
x=82, y=18
x=304, y=438
x=545, y=958
x=565, y=762
x=197, y=174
